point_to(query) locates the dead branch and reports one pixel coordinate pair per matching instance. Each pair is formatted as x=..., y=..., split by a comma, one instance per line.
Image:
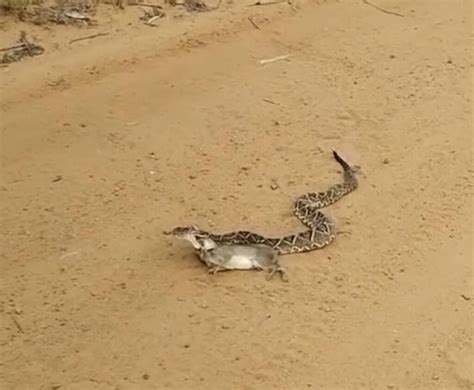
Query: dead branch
x=25, y=42
x=17, y=52
x=101, y=34
x=13, y=47
x=382, y=9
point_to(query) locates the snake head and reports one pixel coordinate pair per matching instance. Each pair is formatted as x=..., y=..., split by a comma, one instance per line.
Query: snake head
x=198, y=238
x=183, y=231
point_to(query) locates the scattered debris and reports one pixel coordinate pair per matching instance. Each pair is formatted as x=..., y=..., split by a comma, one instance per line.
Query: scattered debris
x=270, y=60
x=150, y=16
x=66, y=13
x=382, y=9
x=194, y=5
x=76, y=15
x=24, y=49
x=102, y=34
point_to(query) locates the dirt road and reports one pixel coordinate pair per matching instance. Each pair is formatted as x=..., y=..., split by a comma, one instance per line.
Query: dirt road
x=107, y=144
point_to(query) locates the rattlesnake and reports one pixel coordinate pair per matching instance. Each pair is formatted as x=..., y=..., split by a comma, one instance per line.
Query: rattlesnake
x=321, y=230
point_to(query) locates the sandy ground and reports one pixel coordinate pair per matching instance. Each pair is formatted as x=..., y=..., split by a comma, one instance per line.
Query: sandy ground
x=108, y=142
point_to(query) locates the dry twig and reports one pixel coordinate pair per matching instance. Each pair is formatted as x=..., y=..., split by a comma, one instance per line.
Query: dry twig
x=268, y=3
x=253, y=23
x=382, y=9
x=269, y=101
x=274, y=59
x=13, y=47
x=17, y=324
x=89, y=37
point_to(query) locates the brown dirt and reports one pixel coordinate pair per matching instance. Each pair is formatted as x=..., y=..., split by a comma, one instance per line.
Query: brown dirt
x=107, y=142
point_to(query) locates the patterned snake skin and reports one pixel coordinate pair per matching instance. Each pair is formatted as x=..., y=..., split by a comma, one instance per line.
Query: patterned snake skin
x=321, y=229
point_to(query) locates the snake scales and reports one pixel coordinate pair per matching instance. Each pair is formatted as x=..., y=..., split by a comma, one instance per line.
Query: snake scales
x=321, y=230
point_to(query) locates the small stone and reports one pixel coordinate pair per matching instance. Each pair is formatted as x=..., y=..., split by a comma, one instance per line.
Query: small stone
x=186, y=345
x=225, y=326
x=385, y=161
x=192, y=177
x=392, y=56
x=274, y=186
x=146, y=376
x=435, y=377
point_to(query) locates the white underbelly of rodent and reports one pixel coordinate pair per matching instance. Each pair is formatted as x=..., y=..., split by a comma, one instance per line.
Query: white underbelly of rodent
x=241, y=262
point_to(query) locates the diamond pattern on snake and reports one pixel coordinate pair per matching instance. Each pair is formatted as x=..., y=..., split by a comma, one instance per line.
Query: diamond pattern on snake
x=320, y=230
